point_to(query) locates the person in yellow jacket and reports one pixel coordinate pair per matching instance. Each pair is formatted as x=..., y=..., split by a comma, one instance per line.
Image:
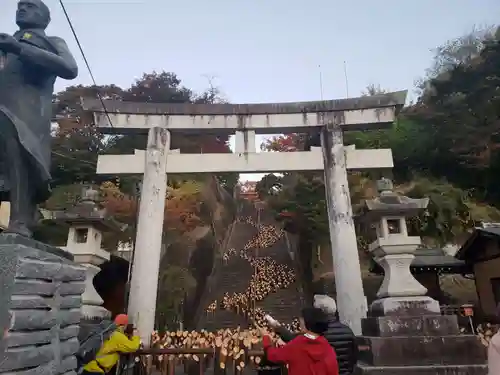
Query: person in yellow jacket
x=119, y=343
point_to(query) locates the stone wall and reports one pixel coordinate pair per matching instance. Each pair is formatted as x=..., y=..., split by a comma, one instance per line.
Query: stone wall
x=40, y=302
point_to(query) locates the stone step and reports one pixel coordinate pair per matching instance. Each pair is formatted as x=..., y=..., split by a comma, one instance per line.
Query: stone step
x=424, y=325
x=221, y=320
x=284, y=305
x=422, y=370
x=423, y=350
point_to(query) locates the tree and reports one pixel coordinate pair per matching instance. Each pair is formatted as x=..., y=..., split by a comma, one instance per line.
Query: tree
x=183, y=207
x=373, y=89
x=282, y=143
x=157, y=87
x=455, y=52
x=460, y=113
x=174, y=284
x=75, y=141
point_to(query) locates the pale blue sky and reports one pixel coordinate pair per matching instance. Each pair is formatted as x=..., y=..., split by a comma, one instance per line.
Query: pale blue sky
x=263, y=51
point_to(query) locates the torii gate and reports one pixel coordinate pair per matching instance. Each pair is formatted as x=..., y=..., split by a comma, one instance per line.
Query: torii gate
x=330, y=117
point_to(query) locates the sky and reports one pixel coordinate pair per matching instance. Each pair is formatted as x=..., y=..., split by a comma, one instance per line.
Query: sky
x=262, y=51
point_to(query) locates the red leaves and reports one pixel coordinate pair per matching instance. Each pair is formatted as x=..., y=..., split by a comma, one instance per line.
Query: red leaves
x=119, y=205
x=182, y=213
x=182, y=208
x=282, y=143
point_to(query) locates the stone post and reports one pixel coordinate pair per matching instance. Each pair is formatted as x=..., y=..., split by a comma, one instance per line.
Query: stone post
x=351, y=300
x=147, y=254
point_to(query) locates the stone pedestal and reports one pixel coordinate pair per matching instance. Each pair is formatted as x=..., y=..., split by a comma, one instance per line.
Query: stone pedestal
x=40, y=307
x=90, y=258
x=92, y=303
x=418, y=344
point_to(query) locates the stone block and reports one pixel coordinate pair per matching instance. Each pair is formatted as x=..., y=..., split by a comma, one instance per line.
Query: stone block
x=423, y=351
x=424, y=325
x=40, y=307
x=16, y=239
x=405, y=306
x=423, y=370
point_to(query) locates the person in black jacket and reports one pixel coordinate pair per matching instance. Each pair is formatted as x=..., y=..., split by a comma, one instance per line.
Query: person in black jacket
x=339, y=335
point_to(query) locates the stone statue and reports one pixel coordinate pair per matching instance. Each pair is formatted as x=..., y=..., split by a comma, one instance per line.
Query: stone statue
x=30, y=62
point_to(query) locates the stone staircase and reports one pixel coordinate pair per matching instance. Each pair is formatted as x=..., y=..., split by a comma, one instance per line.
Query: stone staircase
x=285, y=304
x=233, y=274
x=233, y=277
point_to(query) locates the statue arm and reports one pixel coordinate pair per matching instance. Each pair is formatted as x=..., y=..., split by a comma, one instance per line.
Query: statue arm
x=62, y=64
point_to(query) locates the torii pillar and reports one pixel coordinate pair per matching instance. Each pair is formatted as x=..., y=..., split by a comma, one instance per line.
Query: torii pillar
x=351, y=300
x=145, y=265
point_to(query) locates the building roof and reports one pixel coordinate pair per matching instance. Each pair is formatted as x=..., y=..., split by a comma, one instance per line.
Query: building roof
x=432, y=260
x=476, y=242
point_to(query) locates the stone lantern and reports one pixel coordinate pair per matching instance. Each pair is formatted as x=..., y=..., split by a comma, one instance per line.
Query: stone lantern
x=394, y=250
x=87, y=222
x=405, y=332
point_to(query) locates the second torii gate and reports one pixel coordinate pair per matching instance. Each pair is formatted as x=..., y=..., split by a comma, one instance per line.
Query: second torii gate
x=330, y=117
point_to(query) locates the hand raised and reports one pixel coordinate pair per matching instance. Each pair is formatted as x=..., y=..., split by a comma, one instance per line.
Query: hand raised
x=280, y=343
x=9, y=44
x=262, y=331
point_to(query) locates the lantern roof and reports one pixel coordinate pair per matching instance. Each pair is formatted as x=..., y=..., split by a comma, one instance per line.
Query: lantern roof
x=87, y=211
x=390, y=203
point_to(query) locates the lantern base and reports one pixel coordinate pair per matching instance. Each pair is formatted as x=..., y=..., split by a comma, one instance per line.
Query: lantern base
x=405, y=306
x=409, y=336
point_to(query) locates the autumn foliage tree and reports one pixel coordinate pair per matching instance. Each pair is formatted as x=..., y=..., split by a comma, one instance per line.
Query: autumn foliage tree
x=182, y=208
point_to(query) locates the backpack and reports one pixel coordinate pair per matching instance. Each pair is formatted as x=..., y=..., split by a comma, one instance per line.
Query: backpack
x=91, y=344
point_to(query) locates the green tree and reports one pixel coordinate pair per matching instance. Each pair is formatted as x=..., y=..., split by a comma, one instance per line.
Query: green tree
x=455, y=52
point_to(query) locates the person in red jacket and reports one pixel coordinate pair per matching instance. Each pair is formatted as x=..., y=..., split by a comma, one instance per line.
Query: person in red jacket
x=308, y=353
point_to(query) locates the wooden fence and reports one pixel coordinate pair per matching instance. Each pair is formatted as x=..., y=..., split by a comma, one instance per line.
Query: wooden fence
x=192, y=361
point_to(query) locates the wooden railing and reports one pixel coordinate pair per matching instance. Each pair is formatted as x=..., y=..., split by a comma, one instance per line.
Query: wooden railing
x=192, y=361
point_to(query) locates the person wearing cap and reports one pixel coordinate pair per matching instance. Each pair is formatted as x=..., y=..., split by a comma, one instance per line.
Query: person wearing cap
x=118, y=343
x=338, y=335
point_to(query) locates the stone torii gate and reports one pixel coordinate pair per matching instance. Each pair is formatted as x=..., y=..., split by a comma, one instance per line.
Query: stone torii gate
x=330, y=117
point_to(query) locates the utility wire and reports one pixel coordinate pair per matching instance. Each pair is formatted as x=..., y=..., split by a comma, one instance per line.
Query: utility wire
x=73, y=158
x=93, y=81
x=85, y=60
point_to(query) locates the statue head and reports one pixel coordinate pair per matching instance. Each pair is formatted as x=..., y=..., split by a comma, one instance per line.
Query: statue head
x=32, y=14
